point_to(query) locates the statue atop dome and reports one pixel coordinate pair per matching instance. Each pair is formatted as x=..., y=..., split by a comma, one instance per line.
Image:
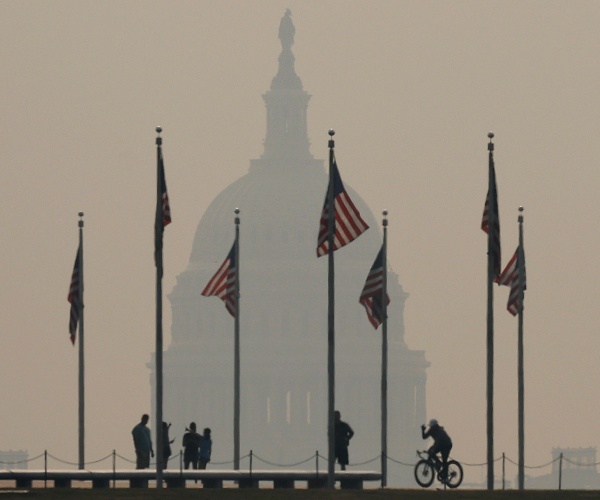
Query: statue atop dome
x=287, y=30
x=286, y=77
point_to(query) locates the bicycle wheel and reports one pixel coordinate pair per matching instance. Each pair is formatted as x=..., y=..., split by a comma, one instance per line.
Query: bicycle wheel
x=455, y=474
x=424, y=473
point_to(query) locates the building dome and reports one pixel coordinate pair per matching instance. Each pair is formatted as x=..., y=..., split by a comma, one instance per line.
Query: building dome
x=283, y=308
x=280, y=208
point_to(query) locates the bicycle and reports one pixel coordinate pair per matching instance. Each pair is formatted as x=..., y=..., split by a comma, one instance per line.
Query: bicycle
x=428, y=468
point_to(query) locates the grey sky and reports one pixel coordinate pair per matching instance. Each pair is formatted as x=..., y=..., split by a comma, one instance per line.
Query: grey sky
x=411, y=88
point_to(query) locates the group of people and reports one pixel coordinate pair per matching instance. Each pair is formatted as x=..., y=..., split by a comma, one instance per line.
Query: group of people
x=197, y=447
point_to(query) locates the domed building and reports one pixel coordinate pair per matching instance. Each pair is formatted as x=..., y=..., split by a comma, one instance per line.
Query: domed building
x=283, y=314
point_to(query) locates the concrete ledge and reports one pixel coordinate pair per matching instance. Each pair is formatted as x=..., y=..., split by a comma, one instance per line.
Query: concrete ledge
x=177, y=478
x=284, y=483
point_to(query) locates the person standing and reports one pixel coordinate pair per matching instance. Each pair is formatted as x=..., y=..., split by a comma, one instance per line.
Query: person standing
x=142, y=441
x=166, y=446
x=343, y=434
x=205, y=449
x=191, y=443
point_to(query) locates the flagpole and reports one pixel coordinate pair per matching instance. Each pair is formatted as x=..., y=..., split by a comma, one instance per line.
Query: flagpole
x=236, y=404
x=520, y=304
x=490, y=329
x=384, y=358
x=330, y=322
x=81, y=351
x=159, y=336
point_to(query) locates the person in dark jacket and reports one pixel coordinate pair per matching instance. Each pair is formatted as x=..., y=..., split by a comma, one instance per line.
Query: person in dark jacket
x=190, y=443
x=343, y=434
x=441, y=444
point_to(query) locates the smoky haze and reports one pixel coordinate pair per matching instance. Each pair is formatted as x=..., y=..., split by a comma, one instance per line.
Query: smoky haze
x=411, y=88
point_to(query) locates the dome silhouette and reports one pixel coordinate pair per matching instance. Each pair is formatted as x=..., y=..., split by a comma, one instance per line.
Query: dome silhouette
x=283, y=311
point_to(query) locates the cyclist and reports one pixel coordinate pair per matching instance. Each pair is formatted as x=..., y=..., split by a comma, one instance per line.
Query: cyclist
x=441, y=444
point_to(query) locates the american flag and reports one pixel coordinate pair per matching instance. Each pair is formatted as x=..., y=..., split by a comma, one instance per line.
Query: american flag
x=510, y=277
x=73, y=296
x=348, y=222
x=490, y=222
x=163, y=210
x=163, y=203
x=222, y=284
x=372, y=293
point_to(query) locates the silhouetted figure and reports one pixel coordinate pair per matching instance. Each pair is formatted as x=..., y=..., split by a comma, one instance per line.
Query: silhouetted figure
x=166, y=446
x=205, y=449
x=287, y=30
x=343, y=434
x=142, y=441
x=191, y=443
x=441, y=444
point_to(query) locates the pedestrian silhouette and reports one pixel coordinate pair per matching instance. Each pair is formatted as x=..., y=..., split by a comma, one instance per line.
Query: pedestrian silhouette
x=191, y=443
x=142, y=441
x=166, y=445
x=343, y=434
x=205, y=448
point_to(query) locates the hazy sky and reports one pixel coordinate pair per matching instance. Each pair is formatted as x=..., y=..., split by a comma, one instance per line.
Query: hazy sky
x=411, y=88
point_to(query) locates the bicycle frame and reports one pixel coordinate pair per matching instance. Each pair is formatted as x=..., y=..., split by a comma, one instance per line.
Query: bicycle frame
x=429, y=467
x=434, y=460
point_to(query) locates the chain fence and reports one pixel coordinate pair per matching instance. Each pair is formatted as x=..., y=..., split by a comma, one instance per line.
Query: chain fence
x=320, y=461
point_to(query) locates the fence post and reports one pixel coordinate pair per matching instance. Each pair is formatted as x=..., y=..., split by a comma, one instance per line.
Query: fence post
x=317, y=463
x=560, y=472
x=503, y=471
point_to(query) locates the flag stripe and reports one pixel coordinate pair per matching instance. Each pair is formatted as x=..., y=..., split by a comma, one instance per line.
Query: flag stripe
x=348, y=223
x=163, y=210
x=490, y=222
x=506, y=277
x=222, y=284
x=74, y=296
x=510, y=277
x=372, y=293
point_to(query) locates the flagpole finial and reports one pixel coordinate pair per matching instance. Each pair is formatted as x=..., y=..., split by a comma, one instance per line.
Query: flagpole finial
x=237, y=213
x=491, y=144
x=331, y=142
x=158, y=129
x=158, y=138
x=520, y=214
x=385, y=222
x=80, y=223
